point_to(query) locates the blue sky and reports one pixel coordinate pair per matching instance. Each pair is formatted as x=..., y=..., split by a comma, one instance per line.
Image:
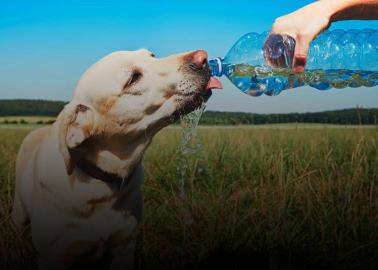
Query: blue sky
x=46, y=45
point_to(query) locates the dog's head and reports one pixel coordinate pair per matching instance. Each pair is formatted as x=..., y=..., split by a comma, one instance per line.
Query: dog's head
x=133, y=93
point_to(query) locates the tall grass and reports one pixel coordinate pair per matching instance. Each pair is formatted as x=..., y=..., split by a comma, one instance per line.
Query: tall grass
x=286, y=198
x=16, y=249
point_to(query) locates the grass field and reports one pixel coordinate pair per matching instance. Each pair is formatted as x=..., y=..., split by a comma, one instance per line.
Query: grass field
x=30, y=119
x=283, y=198
x=24, y=122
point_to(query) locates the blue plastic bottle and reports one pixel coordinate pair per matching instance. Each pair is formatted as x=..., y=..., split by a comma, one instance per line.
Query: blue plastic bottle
x=336, y=59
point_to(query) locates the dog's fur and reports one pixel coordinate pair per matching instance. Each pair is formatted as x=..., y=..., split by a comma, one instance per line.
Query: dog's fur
x=118, y=106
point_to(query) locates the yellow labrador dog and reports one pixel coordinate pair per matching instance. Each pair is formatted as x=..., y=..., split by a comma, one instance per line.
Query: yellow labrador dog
x=78, y=182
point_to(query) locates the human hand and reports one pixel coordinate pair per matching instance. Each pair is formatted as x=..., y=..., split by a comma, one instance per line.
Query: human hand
x=304, y=25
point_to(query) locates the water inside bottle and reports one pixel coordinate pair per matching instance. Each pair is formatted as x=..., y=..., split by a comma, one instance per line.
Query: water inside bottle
x=258, y=80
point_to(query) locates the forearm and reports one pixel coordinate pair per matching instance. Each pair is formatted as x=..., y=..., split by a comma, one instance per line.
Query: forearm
x=351, y=9
x=306, y=23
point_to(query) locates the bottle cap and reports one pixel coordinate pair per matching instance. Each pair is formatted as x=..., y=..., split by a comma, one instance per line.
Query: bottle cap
x=216, y=67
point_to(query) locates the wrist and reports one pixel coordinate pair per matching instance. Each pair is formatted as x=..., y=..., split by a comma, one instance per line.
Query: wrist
x=332, y=8
x=326, y=9
x=338, y=10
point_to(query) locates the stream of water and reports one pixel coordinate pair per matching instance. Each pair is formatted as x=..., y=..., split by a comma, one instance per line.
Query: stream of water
x=188, y=155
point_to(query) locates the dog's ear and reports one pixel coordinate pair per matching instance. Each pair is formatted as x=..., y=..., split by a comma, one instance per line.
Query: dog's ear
x=76, y=125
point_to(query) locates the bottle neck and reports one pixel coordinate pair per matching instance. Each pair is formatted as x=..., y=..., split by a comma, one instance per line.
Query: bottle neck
x=216, y=67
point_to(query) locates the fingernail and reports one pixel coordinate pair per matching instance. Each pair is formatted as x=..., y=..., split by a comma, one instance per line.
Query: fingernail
x=300, y=60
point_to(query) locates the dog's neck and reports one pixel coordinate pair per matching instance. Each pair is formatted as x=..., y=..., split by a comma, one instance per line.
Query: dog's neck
x=92, y=170
x=114, y=157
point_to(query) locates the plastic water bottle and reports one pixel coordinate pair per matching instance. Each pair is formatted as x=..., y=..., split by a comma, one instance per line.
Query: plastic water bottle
x=261, y=63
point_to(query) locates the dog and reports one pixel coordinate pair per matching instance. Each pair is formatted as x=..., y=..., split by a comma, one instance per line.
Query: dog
x=78, y=182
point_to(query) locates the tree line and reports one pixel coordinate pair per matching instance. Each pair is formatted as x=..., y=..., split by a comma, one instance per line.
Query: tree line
x=354, y=116
x=25, y=107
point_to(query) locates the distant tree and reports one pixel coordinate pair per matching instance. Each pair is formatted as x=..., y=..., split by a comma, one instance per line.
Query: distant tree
x=49, y=122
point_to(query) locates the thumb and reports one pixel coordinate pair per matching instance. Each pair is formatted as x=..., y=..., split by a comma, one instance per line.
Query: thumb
x=300, y=54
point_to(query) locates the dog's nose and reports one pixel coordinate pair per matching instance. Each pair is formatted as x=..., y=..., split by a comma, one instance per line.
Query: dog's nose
x=200, y=59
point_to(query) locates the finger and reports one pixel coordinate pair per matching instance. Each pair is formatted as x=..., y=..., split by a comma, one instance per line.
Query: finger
x=300, y=54
x=299, y=63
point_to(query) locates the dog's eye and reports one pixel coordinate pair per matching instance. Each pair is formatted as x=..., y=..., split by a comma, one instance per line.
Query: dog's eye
x=135, y=77
x=153, y=55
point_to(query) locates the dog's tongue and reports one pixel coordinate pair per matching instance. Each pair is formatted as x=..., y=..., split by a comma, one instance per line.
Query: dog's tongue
x=214, y=84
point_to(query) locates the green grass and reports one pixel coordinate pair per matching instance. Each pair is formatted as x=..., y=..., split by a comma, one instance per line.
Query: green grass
x=293, y=197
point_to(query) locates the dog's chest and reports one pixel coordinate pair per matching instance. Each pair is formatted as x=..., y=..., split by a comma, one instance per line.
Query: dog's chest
x=85, y=215
x=86, y=202
x=101, y=219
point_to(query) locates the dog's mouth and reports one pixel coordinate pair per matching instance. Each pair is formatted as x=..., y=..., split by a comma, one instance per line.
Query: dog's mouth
x=197, y=93
x=195, y=88
x=188, y=103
